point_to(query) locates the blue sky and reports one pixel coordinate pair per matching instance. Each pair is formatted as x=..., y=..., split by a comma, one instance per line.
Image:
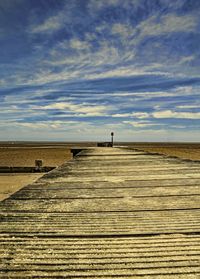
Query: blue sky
x=79, y=69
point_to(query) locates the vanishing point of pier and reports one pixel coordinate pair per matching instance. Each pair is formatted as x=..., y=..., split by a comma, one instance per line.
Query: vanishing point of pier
x=107, y=213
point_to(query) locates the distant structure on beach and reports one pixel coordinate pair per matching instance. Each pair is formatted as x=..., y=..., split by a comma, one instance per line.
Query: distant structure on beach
x=104, y=144
x=107, y=144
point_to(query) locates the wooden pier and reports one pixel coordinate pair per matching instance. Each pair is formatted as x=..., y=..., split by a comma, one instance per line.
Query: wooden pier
x=108, y=213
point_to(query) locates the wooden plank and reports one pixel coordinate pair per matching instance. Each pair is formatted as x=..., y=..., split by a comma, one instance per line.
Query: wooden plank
x=109, y=192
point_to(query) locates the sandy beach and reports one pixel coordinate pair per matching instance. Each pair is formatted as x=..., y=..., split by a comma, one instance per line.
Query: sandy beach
x=23, y=156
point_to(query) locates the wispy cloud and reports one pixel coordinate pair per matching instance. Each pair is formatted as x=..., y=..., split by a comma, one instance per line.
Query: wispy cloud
x=139, y=115
x=189, y=106
x=47, y=124
x=48, y=26
x=122, y=30
x=78, y=109
x=176, y=114
x=142, y=124
x=155, y=26
x=79, y=45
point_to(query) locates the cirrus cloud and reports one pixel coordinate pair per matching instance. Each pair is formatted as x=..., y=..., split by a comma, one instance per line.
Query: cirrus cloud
x=176, y=114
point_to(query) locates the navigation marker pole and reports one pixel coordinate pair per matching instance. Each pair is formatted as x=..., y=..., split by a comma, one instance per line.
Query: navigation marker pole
x=112, y=135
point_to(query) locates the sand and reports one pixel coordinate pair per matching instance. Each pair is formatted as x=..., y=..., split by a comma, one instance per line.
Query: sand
x=183, y=151
x=26, y=156
x=10, y=183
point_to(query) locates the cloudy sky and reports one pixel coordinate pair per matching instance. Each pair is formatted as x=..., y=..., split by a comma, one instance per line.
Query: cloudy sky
x=79, y=69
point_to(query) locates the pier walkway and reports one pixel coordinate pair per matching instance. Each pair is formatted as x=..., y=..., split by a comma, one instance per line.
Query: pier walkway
x=108, y=213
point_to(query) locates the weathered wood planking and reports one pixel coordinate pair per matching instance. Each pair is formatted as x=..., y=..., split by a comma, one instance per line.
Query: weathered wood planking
x=109, y=213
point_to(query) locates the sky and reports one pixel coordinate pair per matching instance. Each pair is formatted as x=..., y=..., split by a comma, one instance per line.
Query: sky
x=77, y=70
